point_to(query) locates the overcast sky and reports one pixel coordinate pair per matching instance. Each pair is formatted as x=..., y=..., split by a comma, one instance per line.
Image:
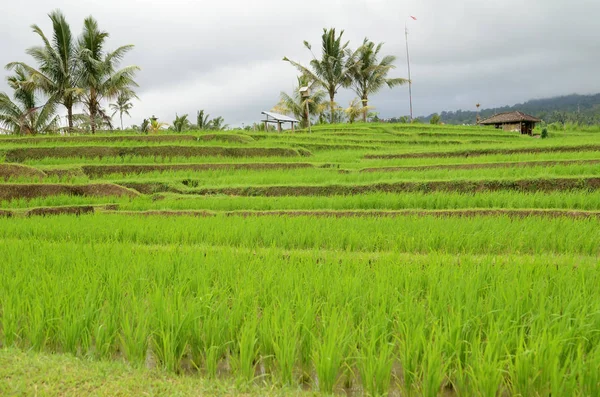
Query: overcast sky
x=226, y=56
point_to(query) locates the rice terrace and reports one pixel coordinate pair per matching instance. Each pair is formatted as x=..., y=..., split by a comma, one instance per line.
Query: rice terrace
x=352, y=255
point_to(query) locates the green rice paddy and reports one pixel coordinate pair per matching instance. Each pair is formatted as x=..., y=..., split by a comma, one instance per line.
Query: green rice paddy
x=202, y=274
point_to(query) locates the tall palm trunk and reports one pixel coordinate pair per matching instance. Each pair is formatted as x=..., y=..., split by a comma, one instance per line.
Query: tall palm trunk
x=365, y=101
x=121, y=121
x=331, y=106
x=70, y=117
x=93, y=110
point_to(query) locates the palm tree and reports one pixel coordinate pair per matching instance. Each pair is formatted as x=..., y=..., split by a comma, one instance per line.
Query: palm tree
x=122, y=106
x=145, y=126
x=355, y=109
x=57, y=75
x=332, y=71
x=202, y=120
x=99, y=75
x=369, y=74
x=22, y=116
x=181, y=123
x=218, y=124
x=155, y=125
x=295, y=105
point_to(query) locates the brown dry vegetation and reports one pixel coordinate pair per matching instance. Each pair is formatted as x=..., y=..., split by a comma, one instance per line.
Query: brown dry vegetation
x=519, y=164
x=66, y=210
x=22, y=154
x=225, y=138
x=461, y=186
x=484, y=152
x=99, y=170
x=375, y=213
x=8, y=171
x=118, y=138
x=28, y=191
x=5, y=214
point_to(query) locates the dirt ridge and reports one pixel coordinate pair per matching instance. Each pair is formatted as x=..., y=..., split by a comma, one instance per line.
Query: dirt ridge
x=99, y=170
x=484, y=152
x=513, y=213
x=481, y=165
x=16, y=191
x=17, y=170
x=35, y=153
x=461, y=186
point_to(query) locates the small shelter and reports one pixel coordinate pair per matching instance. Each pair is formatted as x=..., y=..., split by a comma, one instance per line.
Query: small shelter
x=278, y=119
x=513, y=121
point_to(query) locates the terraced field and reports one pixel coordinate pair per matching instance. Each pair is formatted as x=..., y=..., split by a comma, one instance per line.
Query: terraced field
x=368, y=259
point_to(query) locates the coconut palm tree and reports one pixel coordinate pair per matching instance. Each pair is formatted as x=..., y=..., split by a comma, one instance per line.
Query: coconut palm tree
x=332, y=71
x=369, y=74
x=181, y=123
x=356, y=109
x=295, y=105
x=98, y=69
x=218, y=124
x=23, y=116
x=155, y=125
x=202, y=120
x=57, y=74
x=122, y=106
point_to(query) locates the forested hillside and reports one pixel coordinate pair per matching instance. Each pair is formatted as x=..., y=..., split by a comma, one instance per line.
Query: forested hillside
x=583, y=109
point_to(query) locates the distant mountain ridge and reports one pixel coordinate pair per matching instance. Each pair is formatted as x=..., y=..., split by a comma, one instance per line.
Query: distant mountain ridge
x=574, y=108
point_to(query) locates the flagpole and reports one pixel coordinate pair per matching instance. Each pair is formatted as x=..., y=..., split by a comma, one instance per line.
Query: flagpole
x=409, y=78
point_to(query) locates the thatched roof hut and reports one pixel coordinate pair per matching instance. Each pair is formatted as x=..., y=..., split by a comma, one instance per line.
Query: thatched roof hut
x=513, y=121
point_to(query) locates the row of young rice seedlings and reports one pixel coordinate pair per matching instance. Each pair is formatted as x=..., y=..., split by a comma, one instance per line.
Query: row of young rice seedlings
x=573, y=200
x=324, y=176
x=415, y=234
x=229, y=177
x=129, y=159
x=370, y=322
x=345, y=159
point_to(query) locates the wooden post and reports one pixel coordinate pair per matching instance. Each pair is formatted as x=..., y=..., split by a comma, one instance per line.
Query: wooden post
x=266, y=127
x=279, y=126
x=293, y=126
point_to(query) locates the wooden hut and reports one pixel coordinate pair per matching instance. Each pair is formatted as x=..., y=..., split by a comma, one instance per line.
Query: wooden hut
x=278, y=119
x=513, y=121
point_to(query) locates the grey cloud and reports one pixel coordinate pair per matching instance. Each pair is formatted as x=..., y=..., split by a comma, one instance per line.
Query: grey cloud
x=225, y=56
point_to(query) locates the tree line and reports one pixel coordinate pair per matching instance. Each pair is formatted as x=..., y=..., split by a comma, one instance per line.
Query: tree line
x=79, y=73
x=68, y=72
x=363, y=70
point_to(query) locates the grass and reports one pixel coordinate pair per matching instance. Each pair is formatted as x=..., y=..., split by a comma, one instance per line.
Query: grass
x=456, y=301
x=30, y=373
x=485, y=235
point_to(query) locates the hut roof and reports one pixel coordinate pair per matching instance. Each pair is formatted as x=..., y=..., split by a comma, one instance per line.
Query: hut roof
x=280, y=117
x=510, y=117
